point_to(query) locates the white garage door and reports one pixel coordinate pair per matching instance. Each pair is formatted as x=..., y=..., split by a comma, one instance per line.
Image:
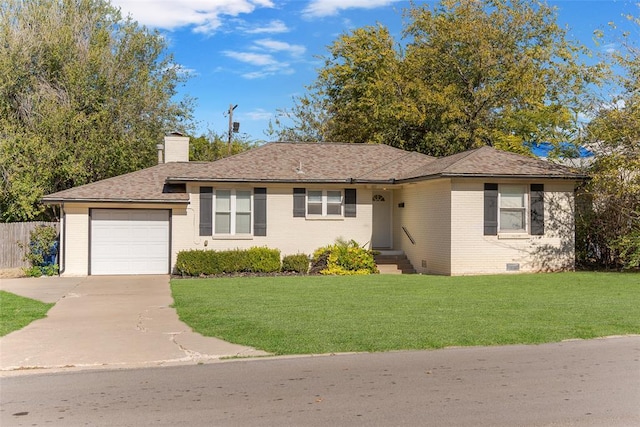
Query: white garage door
x=129, y=241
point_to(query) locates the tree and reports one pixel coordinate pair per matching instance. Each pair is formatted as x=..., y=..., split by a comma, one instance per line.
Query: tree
x=84, y=95
x=211, y=147
x=355, y=96
x=609, y=230
x=471, y=73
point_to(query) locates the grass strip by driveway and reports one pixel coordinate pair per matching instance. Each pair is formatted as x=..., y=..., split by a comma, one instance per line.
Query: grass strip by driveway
x=303, y=315
x=16, y=312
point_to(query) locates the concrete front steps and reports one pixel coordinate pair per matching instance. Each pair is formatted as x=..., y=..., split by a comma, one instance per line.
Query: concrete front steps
x=393, y=262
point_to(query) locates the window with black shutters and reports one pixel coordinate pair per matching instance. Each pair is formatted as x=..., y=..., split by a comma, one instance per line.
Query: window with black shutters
x=513, y=208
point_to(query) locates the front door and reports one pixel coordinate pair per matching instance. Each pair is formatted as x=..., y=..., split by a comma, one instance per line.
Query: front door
x=381, y=219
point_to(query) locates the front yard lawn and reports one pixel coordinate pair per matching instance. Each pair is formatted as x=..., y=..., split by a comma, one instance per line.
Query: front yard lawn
x=319, y=314
x=16, y=312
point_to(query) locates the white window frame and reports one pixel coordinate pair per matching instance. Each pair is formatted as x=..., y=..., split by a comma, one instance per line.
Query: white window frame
x=524, y=209
x=325, y=203
x=233, y=212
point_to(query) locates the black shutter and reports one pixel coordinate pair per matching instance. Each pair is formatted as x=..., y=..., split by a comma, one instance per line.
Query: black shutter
x=260, y=212
x=491, y=209
x=299, y=202
x=536, y=199
x=206, y=211
x=350, y=202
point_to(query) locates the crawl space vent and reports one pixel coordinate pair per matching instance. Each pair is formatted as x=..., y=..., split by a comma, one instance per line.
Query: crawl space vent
x=513, y=267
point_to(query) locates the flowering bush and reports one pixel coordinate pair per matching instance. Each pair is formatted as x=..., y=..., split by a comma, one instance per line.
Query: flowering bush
x=343, y=258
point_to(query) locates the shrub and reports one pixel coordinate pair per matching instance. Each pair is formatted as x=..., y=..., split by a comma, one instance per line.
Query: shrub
x=629, y=249
x=41, y=251
x=197, y=262
x=343, y=258
x=207, y=263
x=298, y=263
x=33, y=271
x=38, y=271
x=262, y=260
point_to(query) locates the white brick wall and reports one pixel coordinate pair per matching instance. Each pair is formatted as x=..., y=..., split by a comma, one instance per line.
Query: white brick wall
x=76, y=232
x=76, y=241
x=290, y=235
x=444, y=217
x=426, y=213
x=474, y=253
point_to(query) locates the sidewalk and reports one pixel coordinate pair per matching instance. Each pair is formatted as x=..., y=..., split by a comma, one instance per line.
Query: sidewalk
x=106, y=321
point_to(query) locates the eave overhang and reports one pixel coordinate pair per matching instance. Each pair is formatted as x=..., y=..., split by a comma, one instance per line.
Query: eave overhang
x=496, y=176
x=182, y=180
x=57, y=201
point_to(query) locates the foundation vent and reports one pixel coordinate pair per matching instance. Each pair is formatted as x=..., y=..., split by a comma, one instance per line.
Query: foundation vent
x=513, y=267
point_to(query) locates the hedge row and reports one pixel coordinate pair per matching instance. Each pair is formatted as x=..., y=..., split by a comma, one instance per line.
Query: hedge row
x=253, y=260
x=343, y=257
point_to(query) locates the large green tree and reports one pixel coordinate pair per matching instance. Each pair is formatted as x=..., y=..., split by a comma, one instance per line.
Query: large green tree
x=467, y=74
x=609, y=230
x=84, y=95
x=211, y=146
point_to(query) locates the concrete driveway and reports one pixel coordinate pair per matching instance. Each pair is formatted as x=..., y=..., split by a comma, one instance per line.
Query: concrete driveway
x=106, y=321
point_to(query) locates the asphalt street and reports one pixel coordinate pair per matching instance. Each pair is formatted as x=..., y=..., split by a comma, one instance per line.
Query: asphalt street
x=576, y=383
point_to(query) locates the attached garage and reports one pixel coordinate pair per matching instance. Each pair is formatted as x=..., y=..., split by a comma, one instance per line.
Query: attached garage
x=129, y=241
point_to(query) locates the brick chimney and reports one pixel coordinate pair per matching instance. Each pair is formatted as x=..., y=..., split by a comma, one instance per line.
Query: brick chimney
x=176, y=148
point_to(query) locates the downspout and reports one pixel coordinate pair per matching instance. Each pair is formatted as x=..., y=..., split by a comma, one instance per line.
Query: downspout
x=63, y=239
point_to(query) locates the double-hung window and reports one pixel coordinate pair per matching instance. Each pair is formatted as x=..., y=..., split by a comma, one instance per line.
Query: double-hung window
x=324, y=203
x=513, y=209
x=232, y=212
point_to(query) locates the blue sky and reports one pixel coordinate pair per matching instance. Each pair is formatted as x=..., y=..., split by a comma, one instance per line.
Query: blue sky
x=259, y=54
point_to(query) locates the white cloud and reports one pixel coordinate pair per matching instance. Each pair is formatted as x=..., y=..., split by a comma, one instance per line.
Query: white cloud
x=203, y=15
x=273, y=27
x=256, y=75
x=278, y=46
x=320, y=8
x=271, y=57
x=268, y=65
x=259, y=114
x=259, y=59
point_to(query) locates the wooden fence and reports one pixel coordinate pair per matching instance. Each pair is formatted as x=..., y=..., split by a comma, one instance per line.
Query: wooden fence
x=11, y=254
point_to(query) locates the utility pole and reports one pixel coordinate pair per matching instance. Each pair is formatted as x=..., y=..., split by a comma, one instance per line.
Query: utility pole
x=232, y=126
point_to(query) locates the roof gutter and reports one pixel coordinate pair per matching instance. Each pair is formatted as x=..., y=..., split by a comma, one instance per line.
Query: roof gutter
x=494, y=176
x=76, y=200
x=182, y=180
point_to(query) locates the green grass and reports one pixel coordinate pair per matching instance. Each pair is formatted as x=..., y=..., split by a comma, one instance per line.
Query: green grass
x=301, y=315
x=16, y=312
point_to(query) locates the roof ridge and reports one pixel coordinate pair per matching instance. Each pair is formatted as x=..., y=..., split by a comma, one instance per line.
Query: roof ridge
x=462, y=155
x=409, y=153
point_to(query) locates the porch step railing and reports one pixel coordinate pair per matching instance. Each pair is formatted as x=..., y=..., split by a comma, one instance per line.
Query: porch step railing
x=413, y=241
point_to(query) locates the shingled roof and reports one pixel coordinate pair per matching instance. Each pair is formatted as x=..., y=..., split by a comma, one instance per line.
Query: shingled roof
x=145, y=186
x=490, y=162
x=309, y=163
